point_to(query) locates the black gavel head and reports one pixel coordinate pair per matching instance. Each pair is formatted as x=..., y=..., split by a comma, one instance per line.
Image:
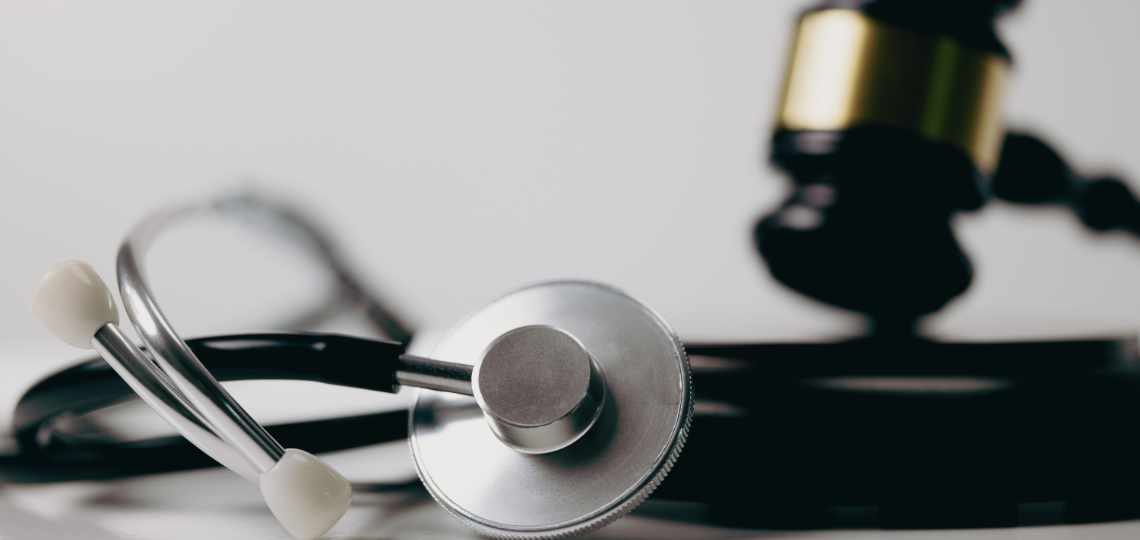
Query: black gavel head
x=888, y=123
x=866, y=226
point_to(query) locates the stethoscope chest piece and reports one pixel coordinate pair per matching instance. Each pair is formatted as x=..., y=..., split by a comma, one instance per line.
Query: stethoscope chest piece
x=582, y=404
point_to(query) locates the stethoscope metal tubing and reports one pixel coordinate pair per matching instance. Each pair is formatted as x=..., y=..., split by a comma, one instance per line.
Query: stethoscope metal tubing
x=204, y=404
x=228, y=419
x=158, y=391
x=432, y=374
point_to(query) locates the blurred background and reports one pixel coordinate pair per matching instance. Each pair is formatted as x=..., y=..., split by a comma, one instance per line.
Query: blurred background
x=458, y=150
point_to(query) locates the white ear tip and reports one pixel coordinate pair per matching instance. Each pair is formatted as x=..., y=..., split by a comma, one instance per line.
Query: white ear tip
x=73, y=303
x=306, y=496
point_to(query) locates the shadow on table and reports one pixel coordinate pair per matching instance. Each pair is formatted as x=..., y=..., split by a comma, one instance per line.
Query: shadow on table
x=16, y=522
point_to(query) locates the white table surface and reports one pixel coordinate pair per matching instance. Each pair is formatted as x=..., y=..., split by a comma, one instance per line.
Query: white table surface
x=218, y=505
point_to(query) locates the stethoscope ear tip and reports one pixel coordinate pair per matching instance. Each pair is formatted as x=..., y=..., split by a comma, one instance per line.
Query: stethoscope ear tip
x=73, y=302
x=306, y=495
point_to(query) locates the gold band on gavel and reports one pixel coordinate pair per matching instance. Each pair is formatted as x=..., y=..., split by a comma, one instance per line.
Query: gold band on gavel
x=848, y=70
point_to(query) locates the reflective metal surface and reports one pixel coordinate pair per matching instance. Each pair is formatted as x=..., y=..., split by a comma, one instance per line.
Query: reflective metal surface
x=434, y=375
x=539, y=388
x=612, y=468
x=196, y=405
x=200, y=389
x=156, y=389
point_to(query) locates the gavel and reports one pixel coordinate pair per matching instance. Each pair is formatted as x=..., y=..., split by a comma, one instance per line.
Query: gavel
x=889, y=124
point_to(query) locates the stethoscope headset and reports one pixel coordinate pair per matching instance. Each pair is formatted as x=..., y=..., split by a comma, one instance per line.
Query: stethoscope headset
x=562, y=406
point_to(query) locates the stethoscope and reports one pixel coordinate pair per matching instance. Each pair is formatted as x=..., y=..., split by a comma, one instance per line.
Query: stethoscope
x=562, y=406
x=568, y=401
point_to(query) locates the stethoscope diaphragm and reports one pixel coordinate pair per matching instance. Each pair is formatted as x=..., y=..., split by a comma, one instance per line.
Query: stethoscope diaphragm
x=639, y=429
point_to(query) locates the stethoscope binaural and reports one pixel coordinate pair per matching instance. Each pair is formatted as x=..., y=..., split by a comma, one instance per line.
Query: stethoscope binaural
x=554, y=410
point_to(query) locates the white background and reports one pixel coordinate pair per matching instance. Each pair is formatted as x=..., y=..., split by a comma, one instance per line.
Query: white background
x=461, y=149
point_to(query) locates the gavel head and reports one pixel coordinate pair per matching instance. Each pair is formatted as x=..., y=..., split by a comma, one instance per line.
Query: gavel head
x=888, y=124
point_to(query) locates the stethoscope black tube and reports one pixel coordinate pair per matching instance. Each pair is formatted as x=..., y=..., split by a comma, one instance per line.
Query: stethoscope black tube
x=769, y=418
x=67, y=459
x=49, y=453
x=726, y=373
x=333, y=359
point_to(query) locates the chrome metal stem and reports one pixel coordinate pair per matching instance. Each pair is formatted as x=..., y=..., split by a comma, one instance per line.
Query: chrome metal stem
x=432, y=374
x=179, y=385
x=152, y=385
x=223, y=413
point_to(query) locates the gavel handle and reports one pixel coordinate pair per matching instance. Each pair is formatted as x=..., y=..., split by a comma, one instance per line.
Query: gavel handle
x=1032, y=172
